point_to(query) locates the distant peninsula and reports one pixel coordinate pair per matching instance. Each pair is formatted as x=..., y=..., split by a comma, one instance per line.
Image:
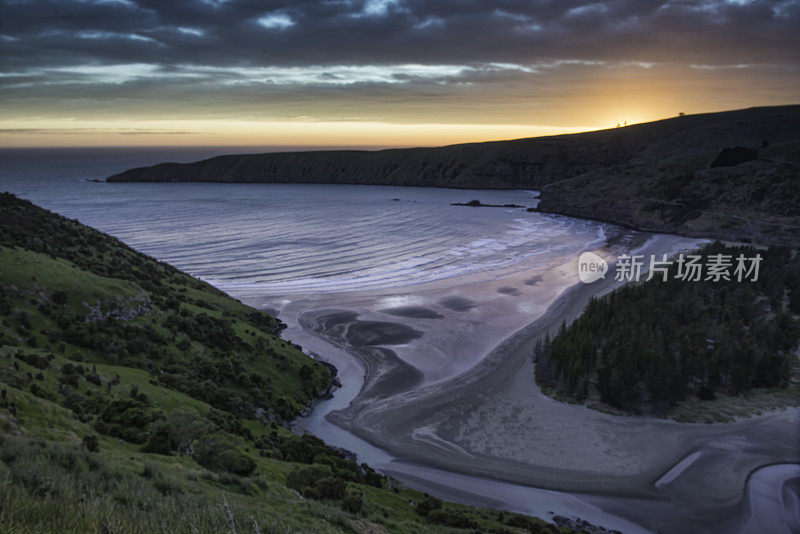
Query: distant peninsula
x=729, y=175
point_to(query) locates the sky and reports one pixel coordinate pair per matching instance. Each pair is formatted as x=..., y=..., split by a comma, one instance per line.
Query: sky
x=379, y=72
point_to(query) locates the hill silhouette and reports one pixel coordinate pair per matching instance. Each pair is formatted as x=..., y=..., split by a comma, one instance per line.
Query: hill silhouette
x=655, y=176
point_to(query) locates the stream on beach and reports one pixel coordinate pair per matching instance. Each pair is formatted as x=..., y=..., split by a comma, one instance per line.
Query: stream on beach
x=429, y=312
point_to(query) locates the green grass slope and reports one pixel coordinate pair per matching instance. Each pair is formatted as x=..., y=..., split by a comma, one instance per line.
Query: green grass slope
x=135, y=398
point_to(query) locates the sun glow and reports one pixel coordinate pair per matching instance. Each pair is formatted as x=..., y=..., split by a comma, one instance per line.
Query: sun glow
x=73, y=132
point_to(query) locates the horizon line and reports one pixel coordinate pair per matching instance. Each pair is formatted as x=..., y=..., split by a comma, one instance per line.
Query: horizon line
x=364, y=147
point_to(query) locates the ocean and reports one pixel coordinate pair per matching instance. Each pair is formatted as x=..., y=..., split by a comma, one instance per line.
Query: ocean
x=293, y=238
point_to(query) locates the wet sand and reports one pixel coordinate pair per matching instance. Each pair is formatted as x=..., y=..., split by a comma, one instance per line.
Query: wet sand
x=437, y=396
x=413, y=312
x=492, y=421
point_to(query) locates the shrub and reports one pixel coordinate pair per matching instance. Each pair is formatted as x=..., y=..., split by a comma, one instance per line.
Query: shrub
x=353, y=503
x=218, y=452
x=128, y=419
x=529, y=524
x=187, y=426
x=311, y=493
x=706, y=393
x=306, y=476
x=237, y=483
x=151, y=472
x=371, y=477
x=317, y=482
x=71, y=380
x=167, y=487
x=91, y=442
x=34, y=360
x=137, y=345
x=451, y=518
x=331, y=487
x=428, y=504
x=160, y=440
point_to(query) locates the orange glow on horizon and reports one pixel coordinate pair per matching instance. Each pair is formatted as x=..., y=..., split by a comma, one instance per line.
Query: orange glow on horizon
x=32, y=132
x=75, y=133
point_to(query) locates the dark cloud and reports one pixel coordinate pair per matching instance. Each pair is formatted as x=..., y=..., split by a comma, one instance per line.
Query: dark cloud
x=447, y=60
x=224, y=33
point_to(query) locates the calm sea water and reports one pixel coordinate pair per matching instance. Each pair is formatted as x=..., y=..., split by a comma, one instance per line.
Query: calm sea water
x=283, y=239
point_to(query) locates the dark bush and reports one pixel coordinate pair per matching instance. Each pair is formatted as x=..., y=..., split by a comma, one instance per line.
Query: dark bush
x=306, y=476
x=530, y=524
x=71, y=380
x=451, y=518
x=35, y=360
x=128, y=419
x=428, y=504
x=160, y=440
x=311, y=493
x=218, y=452
x=137, y=345
x=91, y=442
x=331, y=487
x=353, y=503
x=706, y=393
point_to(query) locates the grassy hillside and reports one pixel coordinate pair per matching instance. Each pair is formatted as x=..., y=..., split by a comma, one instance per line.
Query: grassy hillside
x=84, y=295
x=676, y=347
x=135, y=398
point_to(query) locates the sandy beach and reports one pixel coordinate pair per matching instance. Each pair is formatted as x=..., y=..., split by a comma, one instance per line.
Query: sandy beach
x=438, y=382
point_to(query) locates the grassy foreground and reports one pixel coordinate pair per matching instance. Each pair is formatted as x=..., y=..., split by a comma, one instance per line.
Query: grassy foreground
x=135, y=398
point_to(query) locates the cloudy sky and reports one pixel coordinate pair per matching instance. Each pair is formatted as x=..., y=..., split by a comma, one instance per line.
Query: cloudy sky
x=379, y=72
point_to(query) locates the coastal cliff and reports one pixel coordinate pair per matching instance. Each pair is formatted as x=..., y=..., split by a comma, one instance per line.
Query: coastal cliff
x=660, y=176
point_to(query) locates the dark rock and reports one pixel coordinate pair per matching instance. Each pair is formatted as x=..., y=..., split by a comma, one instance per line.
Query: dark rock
x=479, y=204
x=458, y=304
x=512, y=291
x=577, y=524
x=732, y=156
x=331, y=368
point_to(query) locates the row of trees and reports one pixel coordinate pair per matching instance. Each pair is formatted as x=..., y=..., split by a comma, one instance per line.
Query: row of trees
x=651, y=345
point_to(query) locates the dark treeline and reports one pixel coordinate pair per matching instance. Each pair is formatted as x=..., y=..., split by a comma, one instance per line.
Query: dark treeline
x=647, y=346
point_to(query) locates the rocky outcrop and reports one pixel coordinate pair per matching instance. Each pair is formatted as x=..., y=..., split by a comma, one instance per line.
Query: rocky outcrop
x=751, y=202
x=732, y=156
